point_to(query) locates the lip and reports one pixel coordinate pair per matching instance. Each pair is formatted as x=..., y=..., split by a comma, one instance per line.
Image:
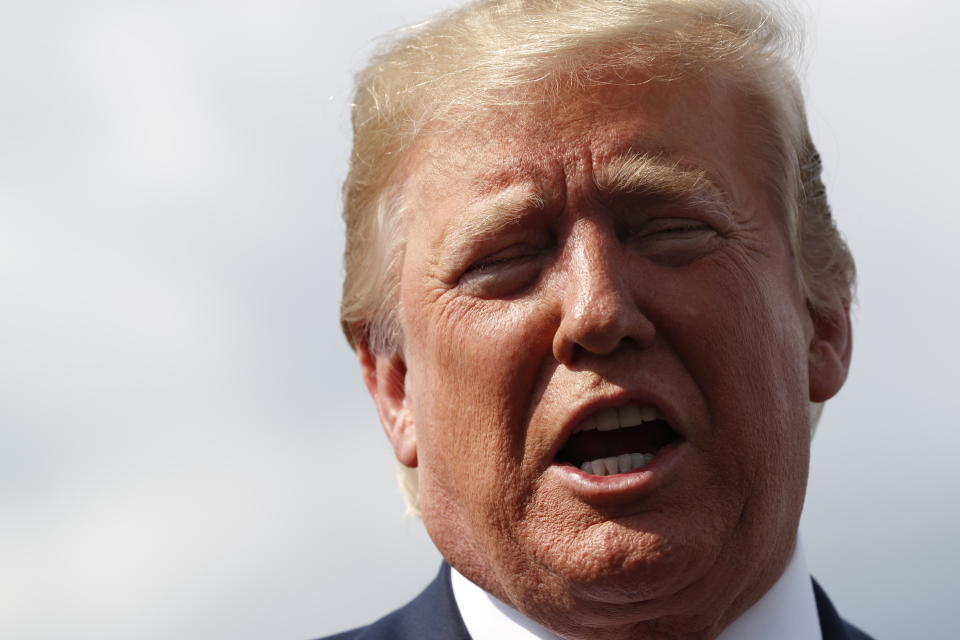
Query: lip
x=621, y=487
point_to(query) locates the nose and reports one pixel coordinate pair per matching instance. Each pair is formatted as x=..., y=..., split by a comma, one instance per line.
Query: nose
x=599, y=311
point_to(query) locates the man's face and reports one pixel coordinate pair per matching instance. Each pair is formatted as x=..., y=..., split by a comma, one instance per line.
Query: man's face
x=617, y=257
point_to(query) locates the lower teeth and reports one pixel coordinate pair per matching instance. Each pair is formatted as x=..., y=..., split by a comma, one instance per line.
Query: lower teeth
x=624, y=463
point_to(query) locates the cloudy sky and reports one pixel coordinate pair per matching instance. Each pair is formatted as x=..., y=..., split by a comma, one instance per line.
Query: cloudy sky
x=186, y=450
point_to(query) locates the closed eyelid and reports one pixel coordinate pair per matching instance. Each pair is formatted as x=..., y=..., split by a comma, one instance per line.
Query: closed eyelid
x=675, y=224
x=504, y=273
x=514, y=252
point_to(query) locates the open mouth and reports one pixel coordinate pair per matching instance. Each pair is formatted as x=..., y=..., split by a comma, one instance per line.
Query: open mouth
x=618, y=440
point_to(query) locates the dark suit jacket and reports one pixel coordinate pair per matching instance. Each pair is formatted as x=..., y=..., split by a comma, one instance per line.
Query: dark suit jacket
x=433, y=615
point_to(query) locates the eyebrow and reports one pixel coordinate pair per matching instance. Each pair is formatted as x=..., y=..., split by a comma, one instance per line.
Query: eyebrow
x=651, y=176
x=492, y=215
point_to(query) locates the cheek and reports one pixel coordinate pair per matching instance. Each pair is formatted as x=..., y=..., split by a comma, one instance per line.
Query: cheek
x=473, y=367
x=741, y=337
x=484, y=352
x=739, y=328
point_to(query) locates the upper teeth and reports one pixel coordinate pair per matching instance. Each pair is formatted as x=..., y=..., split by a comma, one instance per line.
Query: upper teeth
x=628, y=416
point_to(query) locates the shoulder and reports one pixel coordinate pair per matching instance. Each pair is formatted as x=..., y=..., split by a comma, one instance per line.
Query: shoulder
x=432, y=614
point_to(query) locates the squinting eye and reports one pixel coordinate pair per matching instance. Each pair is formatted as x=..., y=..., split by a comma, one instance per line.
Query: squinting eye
x=668, y=229
x=675, y=227
x=490, y=265
x=503, y=274
x=673, y=241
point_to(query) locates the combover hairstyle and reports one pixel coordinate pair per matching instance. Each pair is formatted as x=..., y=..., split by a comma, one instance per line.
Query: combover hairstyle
x=510, y=54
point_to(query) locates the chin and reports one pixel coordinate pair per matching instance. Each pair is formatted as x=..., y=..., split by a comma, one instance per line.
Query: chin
x=616, y=564
x=603, y=599
x=609, y=571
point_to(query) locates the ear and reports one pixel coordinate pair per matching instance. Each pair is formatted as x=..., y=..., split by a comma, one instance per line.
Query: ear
x=830, y=349
x=385, y=377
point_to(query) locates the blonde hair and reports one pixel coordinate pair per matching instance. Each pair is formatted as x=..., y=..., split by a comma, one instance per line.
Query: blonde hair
x=508, y=53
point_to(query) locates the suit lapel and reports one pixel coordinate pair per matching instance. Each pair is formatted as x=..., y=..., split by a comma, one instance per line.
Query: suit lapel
x=433, y=614
x=832, y=625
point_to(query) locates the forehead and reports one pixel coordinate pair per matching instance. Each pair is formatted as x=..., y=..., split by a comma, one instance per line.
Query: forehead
x=539, y=148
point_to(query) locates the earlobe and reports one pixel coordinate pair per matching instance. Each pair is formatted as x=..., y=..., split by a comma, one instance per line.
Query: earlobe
x=385, y=377
x=830, y=350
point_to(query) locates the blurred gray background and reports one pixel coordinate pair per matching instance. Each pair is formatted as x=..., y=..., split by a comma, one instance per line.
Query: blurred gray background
x=186, y=449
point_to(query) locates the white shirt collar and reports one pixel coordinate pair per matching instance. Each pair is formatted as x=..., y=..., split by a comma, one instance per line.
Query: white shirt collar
x=788, y=611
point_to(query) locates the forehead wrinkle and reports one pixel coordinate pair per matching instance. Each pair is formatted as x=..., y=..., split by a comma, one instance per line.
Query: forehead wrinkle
x=652, y=176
